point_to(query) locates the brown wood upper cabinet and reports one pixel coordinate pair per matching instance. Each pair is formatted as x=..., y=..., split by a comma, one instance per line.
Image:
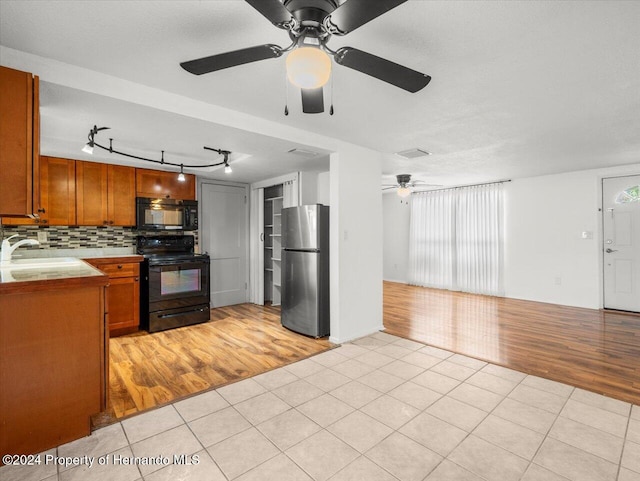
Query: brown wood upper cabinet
x=159, y=184
x=105, y=194
x=19, y=142
x=57, y=196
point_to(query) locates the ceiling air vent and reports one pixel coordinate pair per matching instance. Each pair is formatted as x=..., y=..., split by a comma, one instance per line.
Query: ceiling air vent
x=302, y=153
x=413, y=153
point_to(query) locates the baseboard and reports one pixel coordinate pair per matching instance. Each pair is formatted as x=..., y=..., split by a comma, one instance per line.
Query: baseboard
x=397, y=281
x=358, y=335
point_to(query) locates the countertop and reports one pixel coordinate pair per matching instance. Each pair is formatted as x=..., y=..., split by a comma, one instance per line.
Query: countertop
x=114, y=258
x=19, y=279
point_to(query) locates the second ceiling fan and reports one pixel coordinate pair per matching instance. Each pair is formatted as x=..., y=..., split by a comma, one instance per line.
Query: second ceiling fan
x=310, y=24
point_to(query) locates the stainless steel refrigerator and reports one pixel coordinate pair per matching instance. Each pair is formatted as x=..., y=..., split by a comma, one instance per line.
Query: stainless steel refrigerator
x=305, y=269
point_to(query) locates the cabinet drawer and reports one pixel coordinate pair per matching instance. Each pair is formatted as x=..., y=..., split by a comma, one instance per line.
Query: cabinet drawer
x=121, y=269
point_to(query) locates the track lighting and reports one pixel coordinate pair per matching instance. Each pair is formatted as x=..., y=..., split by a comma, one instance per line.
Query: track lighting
x=89, y=146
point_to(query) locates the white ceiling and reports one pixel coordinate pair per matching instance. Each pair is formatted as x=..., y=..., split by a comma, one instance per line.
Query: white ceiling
x=519, y=88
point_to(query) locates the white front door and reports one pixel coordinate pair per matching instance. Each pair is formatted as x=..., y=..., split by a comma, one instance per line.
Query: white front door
x=224, y=214
x=621, y=242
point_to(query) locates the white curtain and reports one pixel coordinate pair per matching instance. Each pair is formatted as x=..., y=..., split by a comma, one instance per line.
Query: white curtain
x=431, y=240
x=456, y=239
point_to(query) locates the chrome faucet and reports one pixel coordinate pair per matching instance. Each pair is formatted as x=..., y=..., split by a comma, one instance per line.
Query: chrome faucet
x=7, y=248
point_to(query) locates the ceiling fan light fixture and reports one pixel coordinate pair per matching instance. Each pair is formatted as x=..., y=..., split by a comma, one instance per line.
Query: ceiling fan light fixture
x=404, y=192
x=308, y=67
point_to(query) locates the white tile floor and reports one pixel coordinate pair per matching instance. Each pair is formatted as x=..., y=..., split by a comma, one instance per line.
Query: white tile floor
x=378, y=409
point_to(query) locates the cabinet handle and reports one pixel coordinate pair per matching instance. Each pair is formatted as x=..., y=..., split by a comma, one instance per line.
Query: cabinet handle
x=262, y=236
x=110, y=222
x=105, y=222
x=137, y=278
x=119, y=266
x=41, y=210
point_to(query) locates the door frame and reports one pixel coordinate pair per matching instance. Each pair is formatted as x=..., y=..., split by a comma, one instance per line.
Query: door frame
x=601, y=245
x=203, y=180
x=256, y=216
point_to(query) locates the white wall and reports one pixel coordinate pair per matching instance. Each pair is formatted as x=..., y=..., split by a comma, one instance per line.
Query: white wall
x=356, y=243
x=546, y=258
x=396, y=214
x=324, y=189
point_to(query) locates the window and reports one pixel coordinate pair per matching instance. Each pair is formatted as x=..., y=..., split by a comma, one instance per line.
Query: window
x=632, y=194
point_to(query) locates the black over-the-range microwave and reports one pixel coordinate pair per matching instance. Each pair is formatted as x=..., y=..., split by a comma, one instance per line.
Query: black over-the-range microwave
x=166, y=214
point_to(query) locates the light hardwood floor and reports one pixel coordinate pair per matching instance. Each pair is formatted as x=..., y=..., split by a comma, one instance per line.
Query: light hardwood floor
x=596, y=350
x=148, y=370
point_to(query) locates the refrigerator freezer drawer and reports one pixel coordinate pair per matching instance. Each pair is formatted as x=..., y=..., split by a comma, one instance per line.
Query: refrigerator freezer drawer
x=305, y=296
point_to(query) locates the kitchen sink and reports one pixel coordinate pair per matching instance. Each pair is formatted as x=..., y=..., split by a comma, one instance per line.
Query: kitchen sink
x=41, y=263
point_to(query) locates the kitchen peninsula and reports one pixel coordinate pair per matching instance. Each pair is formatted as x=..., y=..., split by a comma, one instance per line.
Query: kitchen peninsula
x=53, y=345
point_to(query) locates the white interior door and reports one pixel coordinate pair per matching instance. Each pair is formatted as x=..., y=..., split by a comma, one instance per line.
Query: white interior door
x=621, y=226
x=224, y=230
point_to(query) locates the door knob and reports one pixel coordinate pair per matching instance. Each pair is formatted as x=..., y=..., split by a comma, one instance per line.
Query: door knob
x=609, y=250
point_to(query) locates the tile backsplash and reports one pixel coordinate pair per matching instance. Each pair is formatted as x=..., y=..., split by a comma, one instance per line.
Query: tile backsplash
x=77, y=237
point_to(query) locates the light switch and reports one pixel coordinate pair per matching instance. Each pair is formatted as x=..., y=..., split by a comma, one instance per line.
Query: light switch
x=42, y=236
x=587, y=234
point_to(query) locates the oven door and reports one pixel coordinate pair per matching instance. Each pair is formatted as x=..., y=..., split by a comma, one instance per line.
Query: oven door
x=178, y=283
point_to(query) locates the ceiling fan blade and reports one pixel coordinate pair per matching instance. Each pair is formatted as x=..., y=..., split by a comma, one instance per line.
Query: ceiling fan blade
x=382, y=69
x=312, y=101
x=231, y=59
x=355, y=13
x=272, y=10
x=392, y=187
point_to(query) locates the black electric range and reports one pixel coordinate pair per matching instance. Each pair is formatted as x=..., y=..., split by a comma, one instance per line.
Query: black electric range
x=175, y=282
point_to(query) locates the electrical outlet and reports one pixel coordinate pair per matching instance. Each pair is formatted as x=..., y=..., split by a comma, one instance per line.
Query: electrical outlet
x=42, y=236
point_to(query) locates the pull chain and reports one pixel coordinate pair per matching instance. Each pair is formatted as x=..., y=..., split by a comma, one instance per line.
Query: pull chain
x=286, y=95
x=331, y=108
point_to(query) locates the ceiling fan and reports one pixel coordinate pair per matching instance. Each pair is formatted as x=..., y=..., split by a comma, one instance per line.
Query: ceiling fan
x=310, y=24
x=405, y=185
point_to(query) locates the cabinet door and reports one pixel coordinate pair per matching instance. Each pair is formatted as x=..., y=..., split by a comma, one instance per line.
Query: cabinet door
x=121, y=194
x=124, y=303
x=160, y=184
x=91, y=193
x=57, y=194
x=16, y=142
x=57, y=191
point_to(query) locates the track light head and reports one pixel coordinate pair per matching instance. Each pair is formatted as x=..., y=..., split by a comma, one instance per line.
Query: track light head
x=88, y=148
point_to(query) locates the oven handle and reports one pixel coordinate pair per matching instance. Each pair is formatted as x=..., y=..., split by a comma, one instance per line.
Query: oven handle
x=175, y=314
x=178, y=263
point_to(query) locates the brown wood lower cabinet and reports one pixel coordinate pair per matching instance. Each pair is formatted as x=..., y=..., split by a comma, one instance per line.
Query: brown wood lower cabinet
x=123, y=293
x=53, y=371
